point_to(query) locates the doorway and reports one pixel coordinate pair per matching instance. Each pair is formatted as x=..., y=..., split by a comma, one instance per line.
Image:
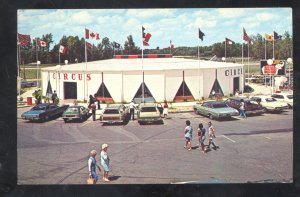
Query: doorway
x=236, y=84
x=70, y=90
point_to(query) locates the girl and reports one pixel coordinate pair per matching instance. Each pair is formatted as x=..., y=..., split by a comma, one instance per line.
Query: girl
x=165, y=111
x=211, y=135
x=92, y=166
x=201, y=137
x=105, y=162
x=188, y=130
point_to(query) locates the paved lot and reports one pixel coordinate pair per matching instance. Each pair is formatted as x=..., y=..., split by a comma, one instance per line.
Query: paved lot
x=256, y=149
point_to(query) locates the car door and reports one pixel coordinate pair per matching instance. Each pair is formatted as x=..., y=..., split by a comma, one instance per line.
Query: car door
x=160, y=108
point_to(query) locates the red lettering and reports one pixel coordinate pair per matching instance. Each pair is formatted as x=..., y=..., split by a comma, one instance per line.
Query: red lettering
x=54, y=76
x=73, y=76
x=80, y=77
x=65, y=76
x=88, y=77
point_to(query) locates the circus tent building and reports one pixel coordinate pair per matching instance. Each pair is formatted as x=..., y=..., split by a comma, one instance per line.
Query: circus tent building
x=151, y=79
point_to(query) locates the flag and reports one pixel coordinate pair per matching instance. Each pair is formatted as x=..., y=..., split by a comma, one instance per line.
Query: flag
x=276, y=36
x=201, y=34
x=171, y=45
x=23, y=40
x=42, y=43
x=246, y=37
x=116, y=45
x=146, y=37
x=93, y=35
x=268, y=37
x=89, y=45
x=228, y=41
x=62, y=49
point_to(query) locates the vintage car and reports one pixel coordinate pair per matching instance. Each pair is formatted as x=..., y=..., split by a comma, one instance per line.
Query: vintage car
x=75, y=112
x=26, y=84
x=251, y=106
x=115, y=114
x=44, y=111
x=285, y=97
x=270, y=104
x=150, y=112
x=215, y=110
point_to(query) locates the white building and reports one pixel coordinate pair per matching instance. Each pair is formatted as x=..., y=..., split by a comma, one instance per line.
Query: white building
x=120, y=80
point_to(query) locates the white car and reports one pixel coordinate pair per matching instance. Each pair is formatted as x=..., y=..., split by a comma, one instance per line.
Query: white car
x=270, y=104
x=285, y=97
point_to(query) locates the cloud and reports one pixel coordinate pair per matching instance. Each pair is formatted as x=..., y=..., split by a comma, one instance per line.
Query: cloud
x=82, y=17
x=231, y=12
x=146, y=13
x=264, y=17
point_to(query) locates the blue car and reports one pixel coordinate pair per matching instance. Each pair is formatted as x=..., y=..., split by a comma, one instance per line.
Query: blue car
x=44, y=111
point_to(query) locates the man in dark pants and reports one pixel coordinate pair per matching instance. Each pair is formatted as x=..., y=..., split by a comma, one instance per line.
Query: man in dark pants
x=131, y=108
x=54, y=96
x=93, y=106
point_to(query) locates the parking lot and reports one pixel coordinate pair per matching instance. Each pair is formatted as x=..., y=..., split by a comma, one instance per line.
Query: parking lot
x=256, y=149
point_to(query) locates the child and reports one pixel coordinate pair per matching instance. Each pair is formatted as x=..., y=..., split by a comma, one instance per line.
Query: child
x=211, y=135
x=201, y=137
x=188, y=130
x=105, y=162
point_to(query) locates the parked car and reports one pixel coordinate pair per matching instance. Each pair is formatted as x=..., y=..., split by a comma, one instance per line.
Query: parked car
x=215, y=110
x=44, y=111
x=270, y=104
x=150, y=112
x=26, y=84
x=75, y=112
x=251, y=106
x=285, y=97
x=115, y=114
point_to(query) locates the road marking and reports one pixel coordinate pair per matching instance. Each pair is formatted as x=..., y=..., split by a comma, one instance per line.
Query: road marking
x=228, y=138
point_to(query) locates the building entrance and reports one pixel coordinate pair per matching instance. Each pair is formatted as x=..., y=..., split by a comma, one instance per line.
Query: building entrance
x=70, y=90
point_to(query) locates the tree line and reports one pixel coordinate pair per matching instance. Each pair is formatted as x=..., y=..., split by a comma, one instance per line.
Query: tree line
x=106, y=49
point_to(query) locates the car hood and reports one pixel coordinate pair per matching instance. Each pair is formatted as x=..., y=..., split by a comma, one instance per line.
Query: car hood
x=274, y=104
x=33, y=112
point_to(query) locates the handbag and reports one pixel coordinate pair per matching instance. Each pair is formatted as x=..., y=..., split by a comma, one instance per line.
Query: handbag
x=90, y=181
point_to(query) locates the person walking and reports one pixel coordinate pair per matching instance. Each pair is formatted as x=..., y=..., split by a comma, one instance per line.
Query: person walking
x=211, y=136
x=92, y=106
x=166, y=110
x=131, y=109
x=105, y=162
x=54, y=97
x=242, y=109
x=92, y=166
x=188, y=132
x=201, y=137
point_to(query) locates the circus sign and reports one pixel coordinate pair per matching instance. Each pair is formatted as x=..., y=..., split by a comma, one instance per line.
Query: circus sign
x=276, y=68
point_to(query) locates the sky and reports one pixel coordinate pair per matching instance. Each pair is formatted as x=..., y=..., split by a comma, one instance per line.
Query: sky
x=179, y=25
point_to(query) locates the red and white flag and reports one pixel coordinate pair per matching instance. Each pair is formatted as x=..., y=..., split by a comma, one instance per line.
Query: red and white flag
x=42, y=43
x=246, y=37
x=23, y=40
x=62, y=49
x=88, y=45
x=171, y=44
x=146, y=37
x=228, y=41
x=93, y=35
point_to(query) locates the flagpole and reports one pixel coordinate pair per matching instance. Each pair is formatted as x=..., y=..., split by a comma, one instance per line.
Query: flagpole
x=18, y=63
x=243, y=78
x=225, y=48
x=248, y=63
x=273, y=45
x=199, y=65
x=37, y=65
x=85, y=53
x=265, y=49
x=143, y=67
x=59, y=55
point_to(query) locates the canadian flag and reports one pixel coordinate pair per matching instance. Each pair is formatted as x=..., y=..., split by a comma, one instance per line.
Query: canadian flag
x=42, y=43
x=88, y=45
x=146, y=37
x=62, y=49
x=93, y=35
x=171, y=44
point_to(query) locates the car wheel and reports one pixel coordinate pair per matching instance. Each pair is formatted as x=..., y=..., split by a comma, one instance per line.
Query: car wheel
x=65, y=120
x=81, y=119
x=290, y=107
x=211, y=117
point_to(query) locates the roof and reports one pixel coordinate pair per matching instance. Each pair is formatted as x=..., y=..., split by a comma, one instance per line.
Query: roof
x=141, y=64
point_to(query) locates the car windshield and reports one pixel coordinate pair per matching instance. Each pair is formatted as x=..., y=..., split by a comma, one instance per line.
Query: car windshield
x=219, y=105
x=72, y=109
x=148, y=109
x=289, y=96
x=270, y=99
x=111, y=111
x=39, y=107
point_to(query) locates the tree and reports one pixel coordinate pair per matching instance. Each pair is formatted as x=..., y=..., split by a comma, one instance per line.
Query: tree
x=129, y=46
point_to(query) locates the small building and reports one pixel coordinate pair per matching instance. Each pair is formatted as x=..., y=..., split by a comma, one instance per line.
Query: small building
x=152, y=79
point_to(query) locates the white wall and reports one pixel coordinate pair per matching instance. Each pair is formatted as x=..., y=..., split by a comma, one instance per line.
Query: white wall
x=191, y=78
x=113, y=83
x=154, y=80
x=131, y=83
x=208, y=81
x=173, y=82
